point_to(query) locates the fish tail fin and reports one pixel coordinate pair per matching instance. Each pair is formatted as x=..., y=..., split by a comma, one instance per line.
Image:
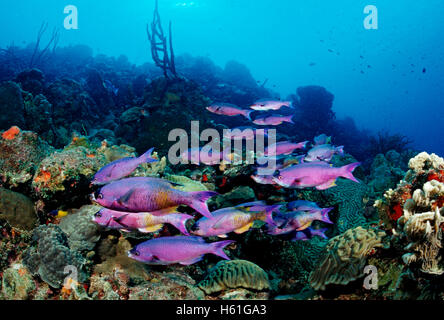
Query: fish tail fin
x=179, y=221
x=321, y=233
x=324, y=214
x=248, y=114
x=198, y=201
x=148, y=157
x=340, y=150
x=217, y=248
x=304, y=144
x=347, y=171
x=290, y=119
x=269, y=214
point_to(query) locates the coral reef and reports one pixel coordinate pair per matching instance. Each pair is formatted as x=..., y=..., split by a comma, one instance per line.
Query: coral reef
x=81, y=231
x=234, y=274
x=20, y=154
x=17, y=283
x=51, y=255
x=17, y=209
x=345, y=257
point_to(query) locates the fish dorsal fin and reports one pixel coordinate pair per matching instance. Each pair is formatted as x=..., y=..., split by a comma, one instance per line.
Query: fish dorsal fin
x=250, y=204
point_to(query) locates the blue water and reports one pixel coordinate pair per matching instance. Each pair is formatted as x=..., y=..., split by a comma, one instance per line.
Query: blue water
x=376, y=75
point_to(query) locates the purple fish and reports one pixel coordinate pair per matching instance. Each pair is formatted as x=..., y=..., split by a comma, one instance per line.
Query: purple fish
x=208, y=157
x=237, y=219
x=322, y=139
x=298, y=221
x=323, y=152
x=273, y=120
x=263, y=179
x=247, y=133
x=143, y=221
x=316, y=174
x=146, y=194
x=284, y=148
x=181, y=249
x=228, y=109
x=309, y=233
x=264, y=104
x=121, y=168
x=304, y=205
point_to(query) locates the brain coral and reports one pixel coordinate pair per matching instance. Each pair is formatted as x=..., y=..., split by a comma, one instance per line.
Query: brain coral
x=17, y=209
x=231, y=274
x=51, y=255
x=345, y=257
x=348, y=197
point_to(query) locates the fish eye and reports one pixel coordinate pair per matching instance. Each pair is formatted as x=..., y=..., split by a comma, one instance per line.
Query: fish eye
x=280, y=177
x=98, y=214
x=100, y=196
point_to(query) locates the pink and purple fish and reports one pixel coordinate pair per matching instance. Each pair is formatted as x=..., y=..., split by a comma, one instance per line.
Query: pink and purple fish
x=284, y=148
x=228, y=109
x=309, y=233
x=323, y=152
x=237, y=219
x=273, y=120
x=247, y=133
x=184, y=250
x=208, y=157
x=142, y=221
x=121, y=168
x=265, y=104
x=146, y=194
x=304, y=205
x=315, y=174
x=298, y=221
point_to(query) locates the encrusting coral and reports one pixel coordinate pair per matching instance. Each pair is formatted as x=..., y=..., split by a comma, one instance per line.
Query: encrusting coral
x=424, y=233
x=232, y=274
x=415, y=207
x=20, y=154
x=346, y=256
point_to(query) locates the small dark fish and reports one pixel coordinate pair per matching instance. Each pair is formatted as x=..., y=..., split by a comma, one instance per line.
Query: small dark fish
x=424, y=70
x=110, y=87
